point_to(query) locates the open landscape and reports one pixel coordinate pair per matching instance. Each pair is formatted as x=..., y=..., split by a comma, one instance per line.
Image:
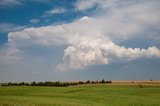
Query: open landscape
x=79, y=52
x=117, y=93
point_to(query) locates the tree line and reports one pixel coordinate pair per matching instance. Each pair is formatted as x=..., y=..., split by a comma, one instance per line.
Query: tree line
x=55, y=84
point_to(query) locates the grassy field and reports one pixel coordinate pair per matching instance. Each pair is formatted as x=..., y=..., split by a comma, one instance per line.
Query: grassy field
x=115, y=94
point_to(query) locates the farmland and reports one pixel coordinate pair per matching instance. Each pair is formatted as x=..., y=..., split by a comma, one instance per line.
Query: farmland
x=118, y=93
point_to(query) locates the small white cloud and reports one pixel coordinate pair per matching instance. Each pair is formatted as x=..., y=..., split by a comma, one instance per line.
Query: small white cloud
x=53, y=11
x=57, y=11
x=34, y=20
x=85, y=4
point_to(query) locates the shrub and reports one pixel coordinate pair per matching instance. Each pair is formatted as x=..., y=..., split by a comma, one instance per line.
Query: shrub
x=80, y=82
x=88, y=82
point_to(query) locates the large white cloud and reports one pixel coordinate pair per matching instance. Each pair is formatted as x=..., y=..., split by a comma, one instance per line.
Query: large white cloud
x=57, y=35
x=93, y=40
x=97, y=51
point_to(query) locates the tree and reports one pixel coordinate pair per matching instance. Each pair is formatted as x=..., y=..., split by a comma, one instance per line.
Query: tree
x=88, y=82
x=33, y=83
x=103, y=81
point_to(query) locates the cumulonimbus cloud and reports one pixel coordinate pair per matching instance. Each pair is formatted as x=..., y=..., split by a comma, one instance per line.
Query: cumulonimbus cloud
x=93, y=40
x=97, y=51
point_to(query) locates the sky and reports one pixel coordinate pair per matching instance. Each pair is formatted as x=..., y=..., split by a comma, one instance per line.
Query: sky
x=72, y=40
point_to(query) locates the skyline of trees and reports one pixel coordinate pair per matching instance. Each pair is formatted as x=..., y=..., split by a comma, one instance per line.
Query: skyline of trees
x=55, y=84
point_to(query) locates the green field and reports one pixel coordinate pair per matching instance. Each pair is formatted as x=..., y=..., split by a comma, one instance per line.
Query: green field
x=82, y=95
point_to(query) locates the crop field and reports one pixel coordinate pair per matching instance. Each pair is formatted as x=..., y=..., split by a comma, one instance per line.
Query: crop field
x=114, y=94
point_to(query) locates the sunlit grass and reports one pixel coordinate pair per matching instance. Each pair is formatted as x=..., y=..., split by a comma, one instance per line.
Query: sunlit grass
x=82, y=95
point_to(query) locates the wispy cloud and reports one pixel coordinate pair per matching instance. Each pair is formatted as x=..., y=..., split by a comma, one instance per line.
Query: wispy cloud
x=9, y=2
x=34, y=20
x=56, y=11
x=53, y=11
x=85, y=4
x=9, y=27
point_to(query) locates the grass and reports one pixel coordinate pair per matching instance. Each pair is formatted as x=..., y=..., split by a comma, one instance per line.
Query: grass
x=117, y=94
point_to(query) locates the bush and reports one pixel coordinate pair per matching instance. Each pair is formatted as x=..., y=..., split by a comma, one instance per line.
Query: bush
x=88, y=82
x=93, y=82
x=80, y=82
x=33, y=83
x=109, y=81
x=103, y=81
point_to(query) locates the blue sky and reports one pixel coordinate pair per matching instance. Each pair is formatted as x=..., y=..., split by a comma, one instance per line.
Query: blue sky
x=72, y=40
